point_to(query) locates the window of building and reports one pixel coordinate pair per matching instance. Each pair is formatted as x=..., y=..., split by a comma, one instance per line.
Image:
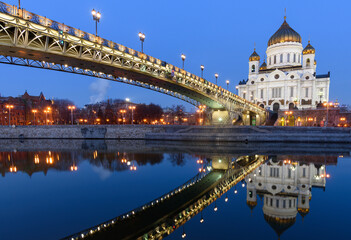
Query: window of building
x=284, y=204
x=275, y=59
x=270, y=62
x=306, y=92
x=291, y=91
x=289, y=203
x=288, y=57
x=303, y=172
x=274, y=172
x=271, y=201
x=299, y=58
x=277, y=203
x=276, y=92
x=261, y=93
x=253, y=68
x=244, y=95
x=308, y=62
x=295, y=57
x=281, y=58
x=289, y=173
x=252, y=95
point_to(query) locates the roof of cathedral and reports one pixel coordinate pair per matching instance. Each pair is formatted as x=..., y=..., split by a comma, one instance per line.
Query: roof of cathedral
x=284, y=34
x=309, y=49
x=254, y=56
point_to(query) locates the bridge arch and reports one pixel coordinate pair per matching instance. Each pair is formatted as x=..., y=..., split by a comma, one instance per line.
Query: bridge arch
x=31, y=40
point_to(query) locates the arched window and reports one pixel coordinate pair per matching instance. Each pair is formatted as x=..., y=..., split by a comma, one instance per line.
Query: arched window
x=288, y=57
x=299, y=58
x=281, y=58
x=270, y=62
x=308, y=62
x=275, y=59
x=294, y=57
x=253, y=68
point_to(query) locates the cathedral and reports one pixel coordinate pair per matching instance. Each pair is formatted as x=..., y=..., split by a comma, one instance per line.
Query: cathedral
x=288, y=79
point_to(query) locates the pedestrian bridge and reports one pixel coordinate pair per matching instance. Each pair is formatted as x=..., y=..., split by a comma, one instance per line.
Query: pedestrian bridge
x=160, y=217
x=31, y=40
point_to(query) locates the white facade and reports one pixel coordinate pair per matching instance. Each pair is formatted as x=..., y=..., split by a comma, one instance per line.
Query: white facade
x=288, y=79
x=286, y=189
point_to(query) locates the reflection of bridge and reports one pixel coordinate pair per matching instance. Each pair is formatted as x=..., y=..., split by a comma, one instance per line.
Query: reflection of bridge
x=27, y=39
x=162, y=216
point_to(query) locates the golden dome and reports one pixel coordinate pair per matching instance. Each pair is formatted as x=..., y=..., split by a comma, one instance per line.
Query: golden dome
x=284, y=34
x=309, y=49
x=254, y=56
x=263, y=65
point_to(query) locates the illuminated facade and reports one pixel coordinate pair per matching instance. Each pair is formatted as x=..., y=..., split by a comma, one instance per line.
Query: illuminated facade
x=288, y=79
x=285, y=188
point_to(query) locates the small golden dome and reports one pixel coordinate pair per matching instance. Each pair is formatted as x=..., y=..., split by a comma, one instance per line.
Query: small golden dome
x=254, y=56
x=284, y=34
x=263, y=65
x=309, y=49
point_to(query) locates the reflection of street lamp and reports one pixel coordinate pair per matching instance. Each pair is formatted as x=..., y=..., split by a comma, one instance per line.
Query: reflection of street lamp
x=202, y=71
x=9, y=107
x=183, y=59
x=71, y=108
x=34, y=111
x=216, y=76
x=142, y=38
x=96, y=18
x=132, y=108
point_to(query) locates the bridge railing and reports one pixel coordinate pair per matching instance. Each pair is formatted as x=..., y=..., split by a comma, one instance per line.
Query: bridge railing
x=60, y=27
x=135, y=211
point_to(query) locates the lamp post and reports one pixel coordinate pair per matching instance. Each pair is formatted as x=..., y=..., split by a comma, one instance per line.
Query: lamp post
x=96, y=18
x=202, y=71
x=46, y=114
x=122, y=111
x=227, y=84
x=237, y=90
x=183, y=59
x=216, y=76
x=132, y=108
x=9, y=107
x=327, y=104
x=71, y=108
x=142, y=38
x=34, y=111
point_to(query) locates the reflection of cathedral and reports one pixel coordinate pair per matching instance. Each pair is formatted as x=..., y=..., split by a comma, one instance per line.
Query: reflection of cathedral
x=285, y=186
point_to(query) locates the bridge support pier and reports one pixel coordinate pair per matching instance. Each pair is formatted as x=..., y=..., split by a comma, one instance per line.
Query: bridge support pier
x=220, y=163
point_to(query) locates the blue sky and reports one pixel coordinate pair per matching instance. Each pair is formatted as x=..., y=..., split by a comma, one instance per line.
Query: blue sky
x=219, y=34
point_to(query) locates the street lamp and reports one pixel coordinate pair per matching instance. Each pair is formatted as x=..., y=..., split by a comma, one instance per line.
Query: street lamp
x=183, y=59
x=132, y=108
x=142, y=38
x=122, y=111
x=46, y=114
x=202, y=71
x=71, y=108
x=9, y=107
x=237, y=90
x=227, y=84
x=34, y=111
x=216, y=76
x=96, y=18
x=327, y=104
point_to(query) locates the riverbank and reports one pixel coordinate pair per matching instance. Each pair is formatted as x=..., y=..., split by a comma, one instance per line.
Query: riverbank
x=181, y=133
